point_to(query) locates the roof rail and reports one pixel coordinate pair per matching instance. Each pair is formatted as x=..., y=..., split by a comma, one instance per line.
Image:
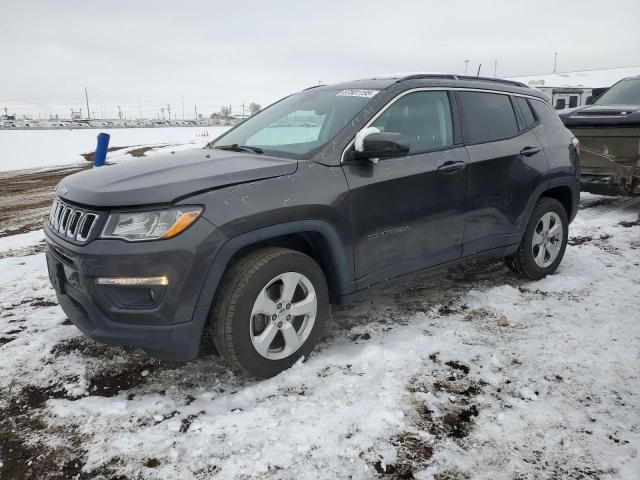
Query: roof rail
x=313, y=86
x=449, y=76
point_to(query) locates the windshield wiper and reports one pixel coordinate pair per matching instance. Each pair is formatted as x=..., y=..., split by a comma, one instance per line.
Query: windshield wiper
x=240, y=148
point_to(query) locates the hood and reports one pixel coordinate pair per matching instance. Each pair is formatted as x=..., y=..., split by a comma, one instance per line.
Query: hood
x=596, y=115
x=165, y=178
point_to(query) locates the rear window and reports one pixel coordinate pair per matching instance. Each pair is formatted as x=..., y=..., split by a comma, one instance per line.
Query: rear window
x=488, y=117
x=527, y=114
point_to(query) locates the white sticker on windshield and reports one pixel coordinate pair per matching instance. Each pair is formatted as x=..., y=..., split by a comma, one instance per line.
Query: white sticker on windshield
x=357, y=92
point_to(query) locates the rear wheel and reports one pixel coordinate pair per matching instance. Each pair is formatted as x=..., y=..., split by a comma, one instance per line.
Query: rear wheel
x=271, y=311
x=544, y=242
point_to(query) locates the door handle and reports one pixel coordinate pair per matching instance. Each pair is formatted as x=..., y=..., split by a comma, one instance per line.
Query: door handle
x=450, y=166
x=529, y=151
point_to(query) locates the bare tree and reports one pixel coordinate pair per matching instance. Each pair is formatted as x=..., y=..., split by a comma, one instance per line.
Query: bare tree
x=254, y=108
x=225, y=110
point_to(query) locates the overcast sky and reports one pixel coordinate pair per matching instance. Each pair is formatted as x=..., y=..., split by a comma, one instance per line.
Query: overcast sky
x=214, y=52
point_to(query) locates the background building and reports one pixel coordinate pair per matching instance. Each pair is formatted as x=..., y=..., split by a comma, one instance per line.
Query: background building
x=574, y=89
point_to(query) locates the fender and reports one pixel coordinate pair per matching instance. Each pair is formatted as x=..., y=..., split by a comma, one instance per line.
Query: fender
x=342, y=265
x=566, y=181
x=572, y=183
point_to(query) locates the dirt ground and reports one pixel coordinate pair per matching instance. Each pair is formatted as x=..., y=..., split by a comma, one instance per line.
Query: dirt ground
x=25, y=197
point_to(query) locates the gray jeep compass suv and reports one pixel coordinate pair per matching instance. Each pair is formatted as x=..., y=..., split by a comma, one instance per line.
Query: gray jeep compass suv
x=322, y=195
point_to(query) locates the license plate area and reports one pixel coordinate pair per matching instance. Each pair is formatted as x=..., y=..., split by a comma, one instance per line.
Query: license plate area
x=56, y=275
x=61, y=275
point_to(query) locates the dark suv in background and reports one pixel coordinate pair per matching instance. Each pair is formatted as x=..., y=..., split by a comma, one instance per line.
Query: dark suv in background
x=320, y=196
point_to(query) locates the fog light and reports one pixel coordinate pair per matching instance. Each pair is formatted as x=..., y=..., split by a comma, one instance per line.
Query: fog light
x=133, y=281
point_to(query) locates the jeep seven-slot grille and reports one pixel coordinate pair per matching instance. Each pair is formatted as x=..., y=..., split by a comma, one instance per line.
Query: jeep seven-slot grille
x=72, y=222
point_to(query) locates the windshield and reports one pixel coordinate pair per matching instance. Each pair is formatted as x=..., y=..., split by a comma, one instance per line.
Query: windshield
x=626, y=92
x=298, y=125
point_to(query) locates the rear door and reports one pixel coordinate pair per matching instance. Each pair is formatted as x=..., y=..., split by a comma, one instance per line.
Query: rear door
x=506, y=165
x=408, y=213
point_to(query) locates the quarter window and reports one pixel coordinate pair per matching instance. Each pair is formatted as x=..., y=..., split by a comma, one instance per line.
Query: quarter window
x=527, y=114
x=424, y=117
x=488, y=116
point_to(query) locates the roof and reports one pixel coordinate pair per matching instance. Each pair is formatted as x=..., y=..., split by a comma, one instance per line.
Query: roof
x=584, y=78
x=416, y=80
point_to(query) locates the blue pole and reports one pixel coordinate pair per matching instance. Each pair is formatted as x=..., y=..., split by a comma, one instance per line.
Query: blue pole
x=101, y=149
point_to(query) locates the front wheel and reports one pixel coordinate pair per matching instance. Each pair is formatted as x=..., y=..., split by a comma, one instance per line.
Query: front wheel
x=544, y=242
x=270, y=312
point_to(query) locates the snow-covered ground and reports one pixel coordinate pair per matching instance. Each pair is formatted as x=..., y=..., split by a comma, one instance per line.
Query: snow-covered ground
x=475, y=373
x=24, y=149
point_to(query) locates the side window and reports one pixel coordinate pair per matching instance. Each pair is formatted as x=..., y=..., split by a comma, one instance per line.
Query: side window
x=546, y=114
x=527, y=114
x=424, y=117
x=488, y=116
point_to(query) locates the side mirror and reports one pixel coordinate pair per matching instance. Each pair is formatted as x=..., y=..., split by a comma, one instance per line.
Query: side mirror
x=372, y=144
x=589, y=100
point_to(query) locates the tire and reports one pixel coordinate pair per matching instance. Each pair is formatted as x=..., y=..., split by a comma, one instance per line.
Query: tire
x=532, y=262
x=251, y=303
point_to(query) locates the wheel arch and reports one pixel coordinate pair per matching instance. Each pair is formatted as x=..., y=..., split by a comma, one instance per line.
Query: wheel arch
x=564, y=194
x=563, y=189
x=316, y=238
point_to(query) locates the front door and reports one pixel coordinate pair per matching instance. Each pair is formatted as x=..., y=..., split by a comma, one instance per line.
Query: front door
x=408, y=213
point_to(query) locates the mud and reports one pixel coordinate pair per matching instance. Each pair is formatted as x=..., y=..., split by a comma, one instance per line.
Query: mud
x=25, y=197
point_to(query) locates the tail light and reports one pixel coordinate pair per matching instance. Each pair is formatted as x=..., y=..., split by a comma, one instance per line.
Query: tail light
x=576, y=145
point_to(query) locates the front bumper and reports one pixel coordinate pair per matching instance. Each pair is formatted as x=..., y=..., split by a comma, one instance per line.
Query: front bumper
x=167, y=322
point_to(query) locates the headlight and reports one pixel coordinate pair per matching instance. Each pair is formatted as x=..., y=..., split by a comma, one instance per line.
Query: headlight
x=151, y=225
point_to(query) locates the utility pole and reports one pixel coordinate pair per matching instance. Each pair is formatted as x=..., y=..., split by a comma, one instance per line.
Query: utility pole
x=466, y=64
x=555, y=62
x=195, y=112
x=182, y=107
x=6, y=114
x=119, y=112
x=162, y=110
x=139, y=110
x=169, y=111
x=86, y=97
x=242, y=109
x=495, y=69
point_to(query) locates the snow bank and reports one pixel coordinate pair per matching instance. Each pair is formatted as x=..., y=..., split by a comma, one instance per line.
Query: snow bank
x=24, y=149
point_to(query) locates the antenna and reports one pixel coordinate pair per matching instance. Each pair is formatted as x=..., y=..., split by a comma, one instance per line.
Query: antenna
x=86, y=97
x=479, y=67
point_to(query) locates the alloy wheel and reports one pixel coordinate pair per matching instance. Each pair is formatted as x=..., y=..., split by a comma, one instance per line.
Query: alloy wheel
x=547, y=239
x=283, y=315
